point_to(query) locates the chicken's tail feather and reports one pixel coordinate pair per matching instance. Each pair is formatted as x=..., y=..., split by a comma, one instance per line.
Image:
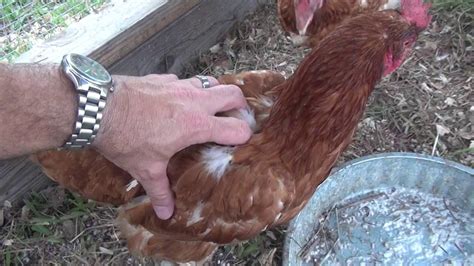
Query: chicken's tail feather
x=137, y=236
x=142, y=242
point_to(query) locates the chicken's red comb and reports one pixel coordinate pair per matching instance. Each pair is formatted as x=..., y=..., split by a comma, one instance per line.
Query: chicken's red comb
x=416, y=12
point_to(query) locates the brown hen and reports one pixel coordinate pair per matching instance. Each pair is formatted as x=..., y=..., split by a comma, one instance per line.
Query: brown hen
x=228, y=194
x=309, y=21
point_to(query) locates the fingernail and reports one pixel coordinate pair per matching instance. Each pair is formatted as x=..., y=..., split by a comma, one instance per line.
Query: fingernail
x=164, y=213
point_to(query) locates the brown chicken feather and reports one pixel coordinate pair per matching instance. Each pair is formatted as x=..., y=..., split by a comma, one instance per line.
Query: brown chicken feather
x=227, y=194
x=89, y=174
x=286, y=15
x=326, y=15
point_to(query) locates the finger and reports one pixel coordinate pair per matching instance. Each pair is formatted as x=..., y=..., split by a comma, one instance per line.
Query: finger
x=223, y=98
x=197, y=83
x=162, y=78
x=224, y=131
x=160, y=195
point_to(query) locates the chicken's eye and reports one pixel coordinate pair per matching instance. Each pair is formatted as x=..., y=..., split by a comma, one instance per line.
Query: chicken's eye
x=406, y=43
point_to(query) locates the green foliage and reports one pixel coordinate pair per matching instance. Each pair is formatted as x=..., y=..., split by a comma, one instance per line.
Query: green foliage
x=43, y=217
x=7, y=257
x=452, y=4
x=22, y=21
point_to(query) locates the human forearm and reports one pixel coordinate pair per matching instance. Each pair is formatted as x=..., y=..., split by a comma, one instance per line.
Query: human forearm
x=37, y=108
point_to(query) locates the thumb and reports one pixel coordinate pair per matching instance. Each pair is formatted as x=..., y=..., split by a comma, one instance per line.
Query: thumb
x=161, y=196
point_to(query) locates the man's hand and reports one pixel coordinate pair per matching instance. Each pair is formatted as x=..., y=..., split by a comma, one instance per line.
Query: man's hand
x=148, y=119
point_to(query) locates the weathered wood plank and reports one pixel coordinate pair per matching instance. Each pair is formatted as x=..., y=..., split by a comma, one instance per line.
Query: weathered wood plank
x=154, y=36
x=112, y=33
x=18, y=177
x=202, y=27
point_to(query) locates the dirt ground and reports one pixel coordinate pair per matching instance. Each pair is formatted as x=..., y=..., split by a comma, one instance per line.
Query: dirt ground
x=427, y=106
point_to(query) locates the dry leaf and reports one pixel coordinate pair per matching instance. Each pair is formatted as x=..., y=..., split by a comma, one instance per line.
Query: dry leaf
x=266, y=259
x=426, y=87
x=369, y=122
x=271, y=235
x=431, y=45
x=442, y=57
x=442, y=130
x=7, y=204
x=446, y=29
x=25, y=211
x=106, y=251
x=450, y=101
x=466, y=134
x=443, y=78
x=215, y=49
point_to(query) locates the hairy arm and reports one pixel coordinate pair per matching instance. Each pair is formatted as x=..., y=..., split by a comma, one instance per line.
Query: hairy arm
x=37, y=108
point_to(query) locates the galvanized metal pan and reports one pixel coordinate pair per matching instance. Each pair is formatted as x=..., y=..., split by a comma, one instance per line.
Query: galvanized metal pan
x=391, y=208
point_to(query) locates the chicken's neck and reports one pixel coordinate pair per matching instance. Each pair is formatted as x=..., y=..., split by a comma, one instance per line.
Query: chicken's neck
x=318, y=110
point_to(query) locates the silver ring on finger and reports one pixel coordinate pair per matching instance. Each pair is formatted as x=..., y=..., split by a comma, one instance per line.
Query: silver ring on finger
x=206, y=84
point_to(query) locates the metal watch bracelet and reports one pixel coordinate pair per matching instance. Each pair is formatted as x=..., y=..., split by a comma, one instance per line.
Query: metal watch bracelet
x=90, y=107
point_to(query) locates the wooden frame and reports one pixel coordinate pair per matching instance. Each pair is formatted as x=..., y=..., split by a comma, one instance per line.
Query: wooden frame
x=134, y=38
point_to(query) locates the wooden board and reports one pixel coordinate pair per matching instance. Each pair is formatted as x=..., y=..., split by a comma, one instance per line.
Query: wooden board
x=18, y=177
x=112, y=33
x=167, y=51
x=130, y=38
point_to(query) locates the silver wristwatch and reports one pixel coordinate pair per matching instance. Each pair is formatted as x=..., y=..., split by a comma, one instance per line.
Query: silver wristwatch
x=92, y=83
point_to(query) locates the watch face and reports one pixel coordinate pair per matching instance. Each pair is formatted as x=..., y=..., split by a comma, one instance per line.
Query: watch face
x=89, y=68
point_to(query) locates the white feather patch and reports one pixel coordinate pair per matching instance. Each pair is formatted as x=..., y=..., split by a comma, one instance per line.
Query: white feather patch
x=208, y=230
x=248, y=116
x=217, y=159
x=196, y=215
x=391, y=4
x=280, y=204
x=240, y=82
x=277, y=217
x=297, y=39
x=266, y=101
x=132, y=185
x=259, y=71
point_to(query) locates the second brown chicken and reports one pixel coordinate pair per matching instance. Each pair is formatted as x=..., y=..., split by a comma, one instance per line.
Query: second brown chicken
x=309, y=21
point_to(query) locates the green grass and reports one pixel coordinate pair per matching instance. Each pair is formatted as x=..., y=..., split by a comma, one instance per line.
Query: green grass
x=25, y=21
x=452, y=4
x=43, y=217
x=41, y=221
